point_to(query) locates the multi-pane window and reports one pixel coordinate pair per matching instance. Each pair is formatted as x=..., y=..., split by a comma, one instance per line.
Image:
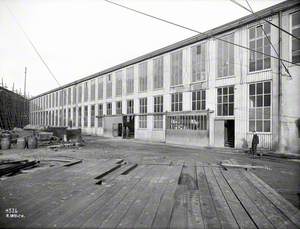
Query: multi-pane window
x=143, y=110
x=158, y=108
x=74, y=116
x=119, y=83
x=86, y=92
x=198, y=63
x=143, y=76
x=85, y=116
x=226, y=56
x=187, y=122
x=108, y=86
x=260, y=107
x=93, y=90
x=198, y=100
x=143, y=105
x=69, y=116
x=92, y=115
x=53, y=99
x=100, y=114
x=225, y=101
x=80, y=93
x=65, y=96
x=296, y=42
x=69, y=96
x=176, y=68
x=79, y=116
x=100, y=88
x=176, y=102
x=143, y=121
x=60, y=98
x=74, y=95
x=158, y=104
x=108, y=109
x=259, y=37
x=119, y=107
x=129, y=80
x=64, y=118
x=56, y=99
x=130, y=106
x=158, y=121
x=158, y=73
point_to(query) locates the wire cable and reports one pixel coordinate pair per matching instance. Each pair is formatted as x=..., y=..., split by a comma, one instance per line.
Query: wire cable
x=32, y=44
x=195, y=31
x=260, y=18
x=286, y=69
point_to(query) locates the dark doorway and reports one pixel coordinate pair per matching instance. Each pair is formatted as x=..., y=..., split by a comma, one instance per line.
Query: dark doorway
x=128, y=126
x=119, y=129
x=229, y=133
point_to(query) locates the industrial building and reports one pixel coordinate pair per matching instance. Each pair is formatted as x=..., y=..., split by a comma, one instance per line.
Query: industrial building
x=206, y=90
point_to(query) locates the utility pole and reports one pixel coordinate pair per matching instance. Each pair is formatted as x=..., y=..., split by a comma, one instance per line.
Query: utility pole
x=25, y=82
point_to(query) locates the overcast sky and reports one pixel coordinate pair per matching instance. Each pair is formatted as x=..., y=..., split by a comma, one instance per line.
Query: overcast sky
x=77, y=38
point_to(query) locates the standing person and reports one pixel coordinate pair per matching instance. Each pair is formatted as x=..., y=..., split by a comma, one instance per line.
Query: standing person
x=127, y=132
x=255, y=142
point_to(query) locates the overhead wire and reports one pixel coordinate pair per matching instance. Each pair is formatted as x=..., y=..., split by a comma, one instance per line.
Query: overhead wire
x=262, y=28
x=32, y=44
x=266, y=20
x=196, y=31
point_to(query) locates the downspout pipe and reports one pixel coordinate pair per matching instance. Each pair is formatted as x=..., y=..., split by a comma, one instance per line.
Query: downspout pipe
x=279, y=81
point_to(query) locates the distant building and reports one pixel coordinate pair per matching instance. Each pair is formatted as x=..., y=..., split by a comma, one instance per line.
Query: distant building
x=200, y=91
x=14, y=110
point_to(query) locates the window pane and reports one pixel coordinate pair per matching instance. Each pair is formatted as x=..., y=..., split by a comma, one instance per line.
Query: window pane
x=252, y=113
x=259, y=88
x=251, y=125
x=219, y=109
x=267, y=127
x=267, y=100
x=259, y=101
x=252, y=89
x=259, y=112
x=267, y=113
x=252, y=101
x=230, y=109
x=259, y=126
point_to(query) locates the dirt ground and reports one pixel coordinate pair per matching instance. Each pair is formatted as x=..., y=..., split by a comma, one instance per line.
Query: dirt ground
x=282, y=174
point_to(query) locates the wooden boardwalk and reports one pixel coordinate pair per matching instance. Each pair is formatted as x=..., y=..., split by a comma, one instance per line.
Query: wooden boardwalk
x=147, y=195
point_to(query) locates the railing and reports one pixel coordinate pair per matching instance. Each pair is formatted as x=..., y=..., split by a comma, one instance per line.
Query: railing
x=265, y=140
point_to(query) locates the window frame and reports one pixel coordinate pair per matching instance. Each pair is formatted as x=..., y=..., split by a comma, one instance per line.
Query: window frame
x=205, y=60
x=177, y=104
x=172, y=84
x=200, y=100
x=223, y=37
x=228, y=102
x=291, y=38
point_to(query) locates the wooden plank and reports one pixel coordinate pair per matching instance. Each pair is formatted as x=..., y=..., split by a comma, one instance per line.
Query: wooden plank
x=225, y=216
x=147, y=216
x=208, y=210
x=277, y=219
x=194, y=215
x=282, y=204
x=117, y=213
x=254, y=213
x=83, y=214
x=135, y=210
x=240, y=215
x=164, y=211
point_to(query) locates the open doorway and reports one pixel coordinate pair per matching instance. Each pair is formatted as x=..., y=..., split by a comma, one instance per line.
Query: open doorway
x=128, y=126
x=229, y=133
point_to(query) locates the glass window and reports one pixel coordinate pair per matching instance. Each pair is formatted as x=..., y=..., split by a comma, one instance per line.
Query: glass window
x=187, y=122
x=260, y=107
x=198, y=62
x=100, y=114
x=108, y=109
x=296, y=42
x=130, y=80
x=143, y=121
x=108, y=86
x=158, y=73
x=119, y=83
x=92, y=115
x=226, y=56
x=85, y=116
x=158, y=104
x=93, y=90
x=225, y=101
x=176, y=68
x=198, y=100
x=259, y=41
x=158, y=121
x=143, y=105
x=143, y=76
x=100, y=88
x=119, y=107
x=130, y=106
x=176, y=101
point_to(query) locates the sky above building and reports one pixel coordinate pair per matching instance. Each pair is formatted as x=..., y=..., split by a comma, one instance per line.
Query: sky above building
x=77, y=38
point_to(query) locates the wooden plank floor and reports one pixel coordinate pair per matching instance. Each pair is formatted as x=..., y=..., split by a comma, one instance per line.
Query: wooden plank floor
x=151, y=195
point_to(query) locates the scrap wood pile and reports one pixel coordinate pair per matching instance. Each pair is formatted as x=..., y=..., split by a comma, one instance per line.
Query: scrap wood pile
x=32, y=137
x=13, y=167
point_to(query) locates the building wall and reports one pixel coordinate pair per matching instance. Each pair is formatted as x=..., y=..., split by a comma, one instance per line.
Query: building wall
x=285, y=109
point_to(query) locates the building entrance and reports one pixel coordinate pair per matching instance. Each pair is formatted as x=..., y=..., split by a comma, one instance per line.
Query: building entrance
x=229, y=133
x=128, y=126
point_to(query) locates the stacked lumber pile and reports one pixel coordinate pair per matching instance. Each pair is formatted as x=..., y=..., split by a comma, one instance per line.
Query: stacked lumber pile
x=13, y=167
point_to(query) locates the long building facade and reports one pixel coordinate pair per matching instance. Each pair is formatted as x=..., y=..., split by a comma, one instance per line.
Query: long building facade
x=202, y=91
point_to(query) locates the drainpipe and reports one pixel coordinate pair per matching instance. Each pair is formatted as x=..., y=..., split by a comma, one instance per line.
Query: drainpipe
x=279, y=81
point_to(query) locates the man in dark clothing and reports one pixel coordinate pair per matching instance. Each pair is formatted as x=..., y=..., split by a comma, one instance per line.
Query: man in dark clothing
x=255, y=142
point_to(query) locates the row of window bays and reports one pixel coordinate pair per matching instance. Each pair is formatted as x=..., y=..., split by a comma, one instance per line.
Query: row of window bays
x=259, y=116
x=259, y=37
